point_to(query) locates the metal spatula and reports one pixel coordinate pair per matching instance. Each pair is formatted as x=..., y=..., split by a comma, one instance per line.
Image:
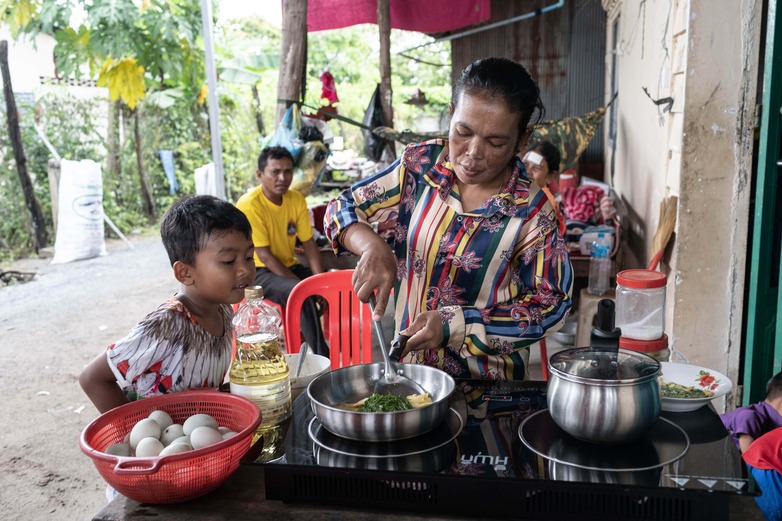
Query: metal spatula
x=392, y=382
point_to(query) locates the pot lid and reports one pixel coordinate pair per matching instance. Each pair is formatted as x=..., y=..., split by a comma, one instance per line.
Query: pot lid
x=604, y=364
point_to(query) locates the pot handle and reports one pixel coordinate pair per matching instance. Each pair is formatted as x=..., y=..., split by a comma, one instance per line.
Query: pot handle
x=605, y=336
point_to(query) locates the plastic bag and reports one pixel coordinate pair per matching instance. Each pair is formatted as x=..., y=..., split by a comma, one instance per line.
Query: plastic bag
x=310, y=166
x=287, y=133
x=373, y=118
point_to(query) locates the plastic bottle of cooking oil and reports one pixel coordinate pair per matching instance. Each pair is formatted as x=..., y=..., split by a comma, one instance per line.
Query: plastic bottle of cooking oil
x=259, y=370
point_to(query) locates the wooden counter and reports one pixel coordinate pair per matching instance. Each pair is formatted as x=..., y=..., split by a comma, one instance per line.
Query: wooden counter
x=243, y=497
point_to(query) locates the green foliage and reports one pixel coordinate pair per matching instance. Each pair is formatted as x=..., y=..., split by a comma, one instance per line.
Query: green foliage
x=351, y=56
x=69, y=124
x=164, y=37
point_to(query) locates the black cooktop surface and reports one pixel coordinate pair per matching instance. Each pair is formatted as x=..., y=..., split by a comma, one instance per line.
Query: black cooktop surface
x=482, y=438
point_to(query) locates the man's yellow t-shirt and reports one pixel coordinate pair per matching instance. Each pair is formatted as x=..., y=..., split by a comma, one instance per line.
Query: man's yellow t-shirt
x=274, y=226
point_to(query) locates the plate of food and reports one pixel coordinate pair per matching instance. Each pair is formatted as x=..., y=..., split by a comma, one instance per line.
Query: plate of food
x=687, y=387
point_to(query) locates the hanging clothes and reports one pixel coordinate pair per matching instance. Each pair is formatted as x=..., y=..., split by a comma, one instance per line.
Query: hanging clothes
x=328, y=88
x=167, y=158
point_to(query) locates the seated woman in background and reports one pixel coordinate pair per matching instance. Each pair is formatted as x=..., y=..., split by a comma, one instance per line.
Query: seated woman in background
x=478, y=267
x=582, y=205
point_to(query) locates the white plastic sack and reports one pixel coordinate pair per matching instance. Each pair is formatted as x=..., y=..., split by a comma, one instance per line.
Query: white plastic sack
x=205, y=180
x=80, y=212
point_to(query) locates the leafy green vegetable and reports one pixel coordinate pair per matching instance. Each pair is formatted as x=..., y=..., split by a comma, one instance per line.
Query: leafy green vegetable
x=385, y=403
x=674, y=390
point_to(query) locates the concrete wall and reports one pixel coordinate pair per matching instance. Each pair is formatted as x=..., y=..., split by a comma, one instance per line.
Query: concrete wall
x=703, y=54
x=27, y=62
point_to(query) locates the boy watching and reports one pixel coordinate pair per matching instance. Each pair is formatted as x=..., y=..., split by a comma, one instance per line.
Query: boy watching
x=279, y=217
x=746, y=424
x=186, y=342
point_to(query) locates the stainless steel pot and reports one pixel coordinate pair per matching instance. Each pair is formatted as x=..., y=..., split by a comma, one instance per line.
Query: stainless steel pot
x=604, y=396
x=330, y=391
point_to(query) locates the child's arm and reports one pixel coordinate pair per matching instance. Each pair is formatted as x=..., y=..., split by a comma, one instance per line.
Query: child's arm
x=100, y=385
x=745, y=440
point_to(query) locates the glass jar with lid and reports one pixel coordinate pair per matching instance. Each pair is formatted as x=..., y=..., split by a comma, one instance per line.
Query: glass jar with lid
x=640, y=303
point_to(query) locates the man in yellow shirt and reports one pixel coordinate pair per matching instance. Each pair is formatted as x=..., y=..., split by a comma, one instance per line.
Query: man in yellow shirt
x=279, y=217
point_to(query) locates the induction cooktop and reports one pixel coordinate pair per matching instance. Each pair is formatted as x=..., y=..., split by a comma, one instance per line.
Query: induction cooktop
x=499, y=454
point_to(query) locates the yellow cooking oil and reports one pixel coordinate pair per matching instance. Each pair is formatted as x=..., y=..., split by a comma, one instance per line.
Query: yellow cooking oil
x=260, y=373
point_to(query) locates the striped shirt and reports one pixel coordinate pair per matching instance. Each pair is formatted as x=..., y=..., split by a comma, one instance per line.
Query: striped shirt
x=499, y=275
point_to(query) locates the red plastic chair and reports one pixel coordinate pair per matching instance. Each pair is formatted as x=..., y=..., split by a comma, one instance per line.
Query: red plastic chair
x=347, y=323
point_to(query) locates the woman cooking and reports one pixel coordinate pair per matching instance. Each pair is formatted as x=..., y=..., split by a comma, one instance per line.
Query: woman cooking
x=478, y=268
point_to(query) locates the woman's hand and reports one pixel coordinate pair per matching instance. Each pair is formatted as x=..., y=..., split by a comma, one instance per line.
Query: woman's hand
x=376, y=269
x=375, y=273
x=426, y=332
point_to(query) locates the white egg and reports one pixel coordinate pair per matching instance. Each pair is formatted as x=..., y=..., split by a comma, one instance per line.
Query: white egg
x=148, y=448
x=145, y=428
x=228, y=434
x=223, y=430
x=198, y=420
x=118, y=449
x=171, y=433
x=205, y=436
x=183, y=439
x=176, y=448
x=162, y=418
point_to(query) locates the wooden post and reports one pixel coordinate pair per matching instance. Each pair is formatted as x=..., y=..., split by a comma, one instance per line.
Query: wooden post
x=53, y=169
x=257, y=109
x=292, y=55
x=15, y=135
x=113, y=145
x=384, y=28
x=146, y=191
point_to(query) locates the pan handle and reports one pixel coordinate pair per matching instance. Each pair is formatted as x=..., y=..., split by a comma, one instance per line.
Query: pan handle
x=397, y=347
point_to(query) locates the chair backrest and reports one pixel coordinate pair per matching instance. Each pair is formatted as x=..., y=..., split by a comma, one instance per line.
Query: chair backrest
x=347, y=323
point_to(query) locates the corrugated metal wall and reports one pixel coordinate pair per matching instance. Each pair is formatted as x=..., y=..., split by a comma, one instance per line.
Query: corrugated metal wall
x=564, y=50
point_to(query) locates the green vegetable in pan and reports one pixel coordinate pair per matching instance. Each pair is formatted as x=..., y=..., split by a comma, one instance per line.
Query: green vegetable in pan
x=385, y=403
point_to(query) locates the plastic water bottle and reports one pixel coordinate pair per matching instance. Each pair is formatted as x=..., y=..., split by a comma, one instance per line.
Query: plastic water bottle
x=259, y=370
x=600, y=265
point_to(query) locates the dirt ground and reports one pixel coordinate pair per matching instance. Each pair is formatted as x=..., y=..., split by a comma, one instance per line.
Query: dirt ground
x=49, y=329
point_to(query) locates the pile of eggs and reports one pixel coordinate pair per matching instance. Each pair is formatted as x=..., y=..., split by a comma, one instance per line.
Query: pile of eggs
x=158, y=435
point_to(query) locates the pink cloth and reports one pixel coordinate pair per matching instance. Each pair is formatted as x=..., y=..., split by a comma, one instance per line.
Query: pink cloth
x=328, y=88
x=582, y=203
x=430, y=16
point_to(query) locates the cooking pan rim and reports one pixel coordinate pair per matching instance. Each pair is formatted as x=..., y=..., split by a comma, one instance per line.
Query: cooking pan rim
x=603, y=383
x=450, y=380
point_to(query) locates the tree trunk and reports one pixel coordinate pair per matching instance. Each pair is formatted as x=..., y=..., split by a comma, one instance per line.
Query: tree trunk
x=257, y=107
x=293, y=57
x=15, y=135
x=113, y=163
x=146, y=192
x=384, y=28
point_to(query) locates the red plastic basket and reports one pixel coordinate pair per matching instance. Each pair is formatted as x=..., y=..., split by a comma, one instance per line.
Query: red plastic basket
x=178, y=477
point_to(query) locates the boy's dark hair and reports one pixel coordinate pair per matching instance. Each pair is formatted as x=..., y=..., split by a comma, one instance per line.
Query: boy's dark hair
x=188, y=223
x=504, y=79
x=273, y=153
x=774, y=387
x=549, y=152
